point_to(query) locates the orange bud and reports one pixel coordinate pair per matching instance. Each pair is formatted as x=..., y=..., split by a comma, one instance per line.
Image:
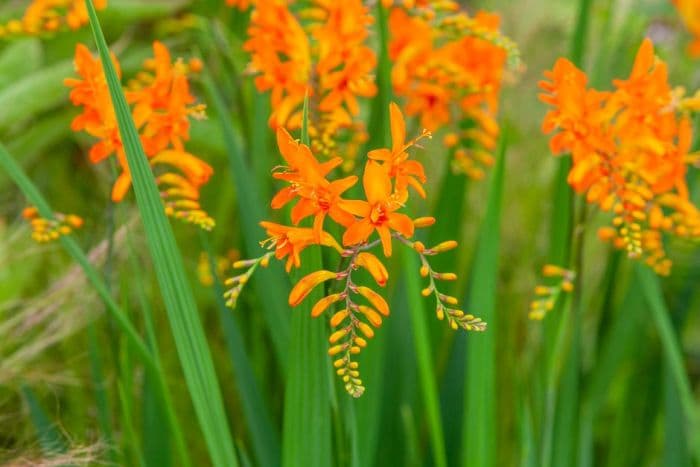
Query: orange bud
x=567, y=286
x=542, y=290
x=423, y=222
x=372, y=316
x=306, y=285
x=374, y=267
x=424, y=271
x=362, y=343
x=551, y=270
x=366, y=329
x=195, y=65
x=606, y=233
x=446, y=276
x=75, y=221
x=336, y=349
x=339, y=317
x=450, y=140
x=419, y=247
x=337, y=335
x=375, y=299
x=338, y=363
x=324, y=303
x=444, y=246
x=30, y=212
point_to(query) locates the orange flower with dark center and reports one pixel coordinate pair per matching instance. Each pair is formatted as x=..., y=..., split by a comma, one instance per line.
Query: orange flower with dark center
x=318, y=197
x=378, y=212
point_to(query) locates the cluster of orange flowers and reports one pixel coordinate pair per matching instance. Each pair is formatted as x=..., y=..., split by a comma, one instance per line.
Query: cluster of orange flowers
x=689, y=11
x=162, y=106
x=46, y=16
x=321, y=49
x=449, y=67
x=630, y=151
x=46, y=230
x=387, y=176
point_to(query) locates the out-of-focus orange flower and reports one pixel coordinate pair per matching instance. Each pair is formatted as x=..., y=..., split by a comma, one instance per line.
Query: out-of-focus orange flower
x=46, y=16
x=378, y=212
x=161, y=108
x=689, y=11
x=318, y=197
x=449, y=67
x=335, y=72
x=163, y=103
x=97, y=118
x=630, y=148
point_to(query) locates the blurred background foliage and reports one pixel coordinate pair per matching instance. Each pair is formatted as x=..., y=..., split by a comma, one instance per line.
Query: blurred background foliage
x=616, y=406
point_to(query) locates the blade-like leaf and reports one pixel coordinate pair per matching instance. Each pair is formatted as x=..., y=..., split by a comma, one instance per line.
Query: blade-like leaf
x=307, y=417
x=479, y=426
x=186, y=326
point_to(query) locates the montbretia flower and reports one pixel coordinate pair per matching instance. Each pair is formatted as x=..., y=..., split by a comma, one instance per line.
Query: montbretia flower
x=449, y=67
x=162, y=107
x=289, y=242
x=630, y=151
x=48, y=16
x=316, y=195
x=320, y=49
x=405, y=172
x=355, y=309
x=378, y=212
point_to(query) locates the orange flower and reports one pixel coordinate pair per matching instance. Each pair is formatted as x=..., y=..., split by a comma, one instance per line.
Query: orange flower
x=404, y=171
x=629, y=149
x=317, y=196
x=280, y=55
x=46, y=16
x=162, y=106
x=378, y=212
x=282, y=58
x=163, y=103
x=98, y=118
x=448, y=65
x=289, y=242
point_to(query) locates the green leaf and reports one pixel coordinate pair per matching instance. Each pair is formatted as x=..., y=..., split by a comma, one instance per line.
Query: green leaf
x=186, y=326
x=480, y=415
x=672, y=354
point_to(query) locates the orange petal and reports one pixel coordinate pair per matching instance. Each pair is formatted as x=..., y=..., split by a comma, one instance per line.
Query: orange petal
x=306, y=285
x=358, y=232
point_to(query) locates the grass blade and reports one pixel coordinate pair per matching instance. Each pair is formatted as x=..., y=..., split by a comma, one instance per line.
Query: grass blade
x=672, y=354
x=270, y=284
x=426, y=373
x=479, y=426
x=186, y=326
x=265, y=440
x=31, y=192
x=50, y=438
